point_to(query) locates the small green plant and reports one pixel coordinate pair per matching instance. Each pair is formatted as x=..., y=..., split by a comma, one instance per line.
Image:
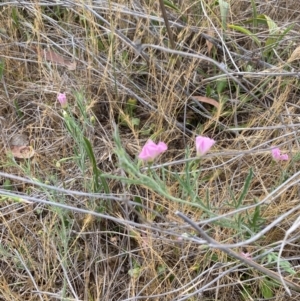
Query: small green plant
x=83, y=149
x=135, y=271
x=128, y=118
x=272, y=258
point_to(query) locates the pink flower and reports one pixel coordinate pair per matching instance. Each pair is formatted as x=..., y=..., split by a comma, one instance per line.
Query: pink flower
x=278, y=156
x=151, y=150
x=203, y=145
x=246, y=255
x=62, y=98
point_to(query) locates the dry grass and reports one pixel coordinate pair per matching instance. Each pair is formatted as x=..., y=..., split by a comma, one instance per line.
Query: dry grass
x=132, y=246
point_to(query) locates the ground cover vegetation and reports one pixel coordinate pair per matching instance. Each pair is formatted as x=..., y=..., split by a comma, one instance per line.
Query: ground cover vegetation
x=149, y=150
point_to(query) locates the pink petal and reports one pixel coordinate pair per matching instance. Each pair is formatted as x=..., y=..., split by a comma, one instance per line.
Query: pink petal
x=276, y=154
x=62, y=98
x=162, y=147
x=246, y=255
x=203, y=145
x=151, y=150
x=284, y=157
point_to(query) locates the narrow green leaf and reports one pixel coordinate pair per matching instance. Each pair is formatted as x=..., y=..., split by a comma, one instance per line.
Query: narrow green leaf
x=1, y=68
x=17, y=107
x=221, y=85
x=15, y=17
x=169, y=4
x=264, y=20
x=7, y=185
x=96, y=171
x=138, y=200
x=273, y=41
x=246, y=187
x=246, y=32
x=253, y=4
x=224, y=8
x=273, y=28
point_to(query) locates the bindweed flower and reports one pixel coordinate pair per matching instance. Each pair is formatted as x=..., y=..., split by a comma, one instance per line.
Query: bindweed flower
x=276, y=154
x=151, y=150
x=203, y=145
x=62, y=98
